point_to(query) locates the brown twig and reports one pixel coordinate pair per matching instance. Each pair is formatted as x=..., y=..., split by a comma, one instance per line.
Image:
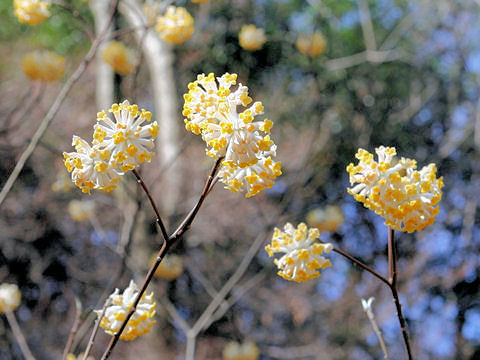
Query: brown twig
x=167, y=244
x=73, y=331
x=152, y=202
x=95, y=329
x=392, y=265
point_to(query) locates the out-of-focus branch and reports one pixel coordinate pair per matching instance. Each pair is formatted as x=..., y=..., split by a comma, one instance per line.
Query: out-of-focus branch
x=367, y=26
x=73, y=331
x=12, y=321
x=375, y=57
x=53, y=110
x=95, y=329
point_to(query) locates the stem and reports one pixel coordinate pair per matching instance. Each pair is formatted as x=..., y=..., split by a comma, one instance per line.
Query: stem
x=392, y=265
x=154, y=206
x=12, y=321
x=362, y=265
x=73, y=331
x=95, y=329
x=377, y=331
x=167, y=244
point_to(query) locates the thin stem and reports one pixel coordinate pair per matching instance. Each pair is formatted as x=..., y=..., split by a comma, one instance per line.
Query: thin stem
x=95, y=330
x=12, y=321
x=73, y=331
x=362, y=265
x=392, y=266
x=154, y=205
x=376, y=329
x=167, y=244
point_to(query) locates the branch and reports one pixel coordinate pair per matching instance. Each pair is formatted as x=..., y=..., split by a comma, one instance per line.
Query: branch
x=367, y=26
x=12, y=321
x=73, y=331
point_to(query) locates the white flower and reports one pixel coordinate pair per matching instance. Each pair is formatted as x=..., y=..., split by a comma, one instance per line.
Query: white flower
x=10, y=297
x=128, y=142
x=302, y=256
x=140, y=322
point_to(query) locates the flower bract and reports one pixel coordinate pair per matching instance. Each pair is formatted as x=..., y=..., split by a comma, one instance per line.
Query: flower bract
x=405, y=197
x=10, y=297
x=140, y=322
x=43, y=65
x=303, y=255
x=251, y=38
x=176, y=26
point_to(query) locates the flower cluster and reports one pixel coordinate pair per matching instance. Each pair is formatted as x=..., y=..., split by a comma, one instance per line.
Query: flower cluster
x=10, y=297
x=119, y=146
x=211, y=110
x=43, y=65
x=311, y=45
x=81, y=210
x=303, y=256
x=251, y=38
x=140, y=322
x=119, y=57
x=394, y=189
x=176, y=26
x=31, y=12
x=170, y=268
x=325, y=219
x=236, y=351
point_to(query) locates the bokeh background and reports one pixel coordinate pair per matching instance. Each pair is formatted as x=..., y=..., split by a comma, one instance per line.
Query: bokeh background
x=395, y=73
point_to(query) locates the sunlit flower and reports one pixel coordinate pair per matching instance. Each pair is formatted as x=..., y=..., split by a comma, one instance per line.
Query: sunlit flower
x=303, y=256
x=127, y=142
x=212, y=111
x=170, y=268
x=10, y=297
x=176, y=26
x=81, y=210
x=90, y=167
x=119, y=57
x=236, y=351
x=394, y=189
x=311, y=45
x=31, y=12
x=325, y=219
x=43, y=65
x=63, y=183
x=251, y=38
x=140, y=322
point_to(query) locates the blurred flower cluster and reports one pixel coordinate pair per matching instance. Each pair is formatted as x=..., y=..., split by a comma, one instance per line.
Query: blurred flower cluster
x=236, y=351
x=31, y=12
x=119, y=57
x=10, y=297
x=211, y=110
x=251, y=38
x=43, y=65
x=140, y=322
x=170, y=268
x=303, y=255
x=394, y=189
x=119, y=146
x=176, y=25
x=311, y=44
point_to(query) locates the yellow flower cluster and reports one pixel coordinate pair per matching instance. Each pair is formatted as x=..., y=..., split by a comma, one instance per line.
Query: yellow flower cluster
x=43, y=65
x=394, y=189
x=303, y=256
x=119, y=146
x=176, y=26
x=119, y=57
x=211, y=110
x=81, y=210
x=31, y=12
x=311, y=45
x=140, y=322
x=170, y=268
x=325, y=219
x=251, y=38
x=10, y=297
x=235, y=351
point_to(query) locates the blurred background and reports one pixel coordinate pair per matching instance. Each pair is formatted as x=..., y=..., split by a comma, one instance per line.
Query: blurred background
x=391, y=72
